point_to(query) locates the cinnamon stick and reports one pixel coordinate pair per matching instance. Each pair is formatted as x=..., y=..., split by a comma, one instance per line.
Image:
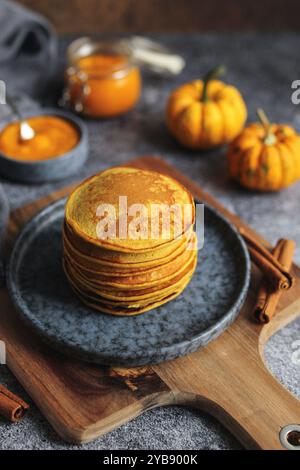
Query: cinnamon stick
x=267, y=301
x=11, y=406
x=279, y=277
x=263, y=296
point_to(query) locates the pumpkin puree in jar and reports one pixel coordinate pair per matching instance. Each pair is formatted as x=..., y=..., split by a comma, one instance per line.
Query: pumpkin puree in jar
x=54, y=136
x=113, y=85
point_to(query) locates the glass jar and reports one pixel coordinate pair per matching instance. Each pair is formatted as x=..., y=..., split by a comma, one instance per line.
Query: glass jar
x=102, y=79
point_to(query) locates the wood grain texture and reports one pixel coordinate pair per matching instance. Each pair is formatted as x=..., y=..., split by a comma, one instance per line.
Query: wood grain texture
x=228, y=378
x=111, y=16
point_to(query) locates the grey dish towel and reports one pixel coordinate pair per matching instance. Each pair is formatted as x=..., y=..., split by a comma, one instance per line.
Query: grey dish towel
x=28, y=47
x=4, y=212
x=24, y=104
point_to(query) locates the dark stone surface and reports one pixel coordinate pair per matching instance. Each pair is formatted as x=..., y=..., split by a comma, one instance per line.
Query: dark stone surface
x=263, y=67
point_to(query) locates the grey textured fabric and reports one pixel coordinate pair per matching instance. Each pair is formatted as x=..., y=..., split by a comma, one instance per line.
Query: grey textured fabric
x=27, y=42
x=4, y=212
x=24, y=104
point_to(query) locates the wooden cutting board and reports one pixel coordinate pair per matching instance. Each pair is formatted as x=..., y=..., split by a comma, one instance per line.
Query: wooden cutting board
x=228, y=378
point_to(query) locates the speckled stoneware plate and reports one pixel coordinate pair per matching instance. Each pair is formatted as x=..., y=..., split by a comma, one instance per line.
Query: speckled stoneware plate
x=52, y=169
x=45, y=301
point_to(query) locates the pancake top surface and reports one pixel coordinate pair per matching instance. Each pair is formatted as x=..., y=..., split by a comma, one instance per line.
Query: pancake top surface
x=98, y=199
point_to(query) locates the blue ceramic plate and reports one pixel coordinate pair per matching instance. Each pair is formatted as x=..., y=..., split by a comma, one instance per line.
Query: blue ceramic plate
x=52, y=169
x=47, y=304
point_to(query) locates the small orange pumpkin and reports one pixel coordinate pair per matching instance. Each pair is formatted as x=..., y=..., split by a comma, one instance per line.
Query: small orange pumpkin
x=265, y=157
x=206, y=113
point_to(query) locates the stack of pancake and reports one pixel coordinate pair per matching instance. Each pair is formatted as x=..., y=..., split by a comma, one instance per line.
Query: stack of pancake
x=131, y=273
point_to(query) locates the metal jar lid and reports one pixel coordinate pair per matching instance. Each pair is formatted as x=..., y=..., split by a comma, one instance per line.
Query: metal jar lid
x=140, y=50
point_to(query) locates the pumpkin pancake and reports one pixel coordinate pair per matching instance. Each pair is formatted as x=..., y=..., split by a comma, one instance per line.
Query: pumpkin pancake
x=113, y=256
x=148, y=278
x=90, y=296
x=126, y=275
x=114, y=267
x=146, y=188
x=109, y=268
x=128, y=310
x=132, y=293
x=121, y=311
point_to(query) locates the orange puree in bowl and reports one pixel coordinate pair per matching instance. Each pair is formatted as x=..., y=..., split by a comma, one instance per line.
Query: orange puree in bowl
x=105, y=85
x=54, y=136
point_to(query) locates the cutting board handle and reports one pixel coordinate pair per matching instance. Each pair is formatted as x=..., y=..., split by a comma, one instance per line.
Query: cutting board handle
x=256, y=411
x=236, y=387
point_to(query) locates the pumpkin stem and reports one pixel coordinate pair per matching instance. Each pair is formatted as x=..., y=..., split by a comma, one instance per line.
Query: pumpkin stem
x=211, y=75
x=270, y=138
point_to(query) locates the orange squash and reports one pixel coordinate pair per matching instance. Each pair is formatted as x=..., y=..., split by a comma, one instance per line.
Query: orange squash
x=206, y=113
x=265, y=157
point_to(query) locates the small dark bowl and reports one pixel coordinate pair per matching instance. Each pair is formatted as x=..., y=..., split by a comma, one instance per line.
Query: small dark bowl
x=52, y=169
